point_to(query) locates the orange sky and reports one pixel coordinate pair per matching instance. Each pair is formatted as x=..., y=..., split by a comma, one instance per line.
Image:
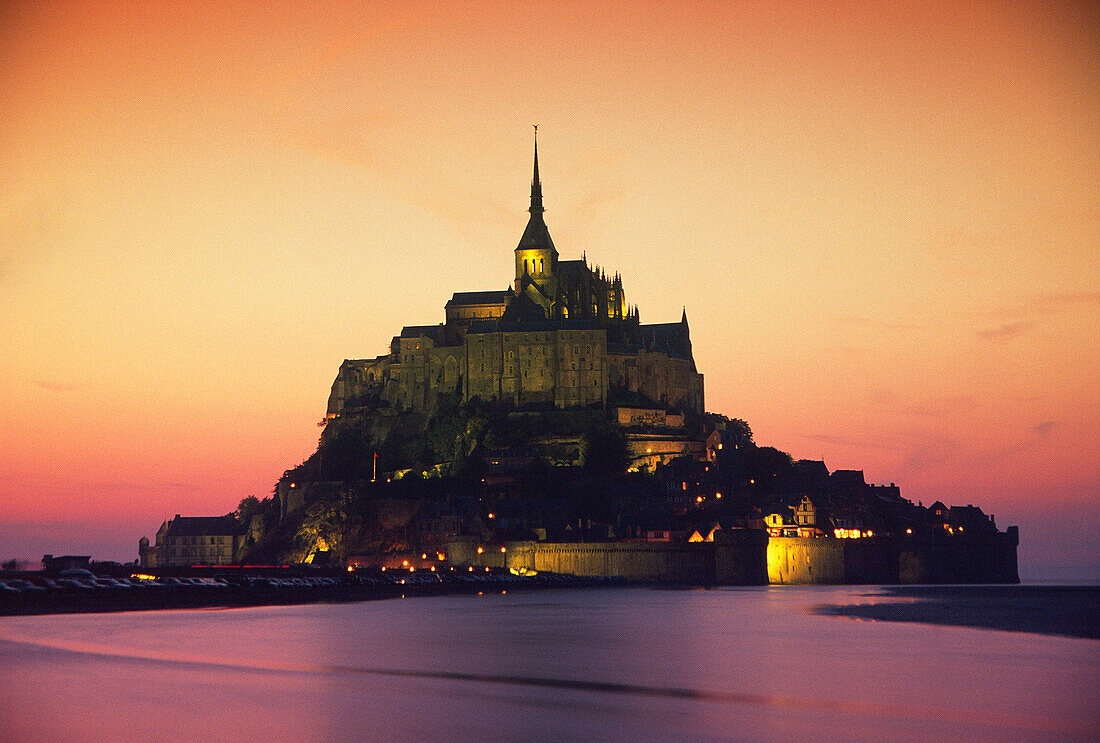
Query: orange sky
x=883, y=223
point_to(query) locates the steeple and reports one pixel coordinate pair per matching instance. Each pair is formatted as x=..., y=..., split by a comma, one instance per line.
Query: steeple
x=536, y=184
x=536, y=236
x=536, y=256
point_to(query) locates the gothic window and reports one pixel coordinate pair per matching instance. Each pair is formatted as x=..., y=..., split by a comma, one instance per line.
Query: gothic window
x=542, y=266
x=525, y=266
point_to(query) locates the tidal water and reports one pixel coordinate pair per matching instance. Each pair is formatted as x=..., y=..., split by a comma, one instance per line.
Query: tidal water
x=756, y=664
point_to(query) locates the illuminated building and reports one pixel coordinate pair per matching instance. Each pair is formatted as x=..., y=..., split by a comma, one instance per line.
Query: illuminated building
x=560, y=336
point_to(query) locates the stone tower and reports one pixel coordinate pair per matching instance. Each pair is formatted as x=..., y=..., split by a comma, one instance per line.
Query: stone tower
x=536, y=256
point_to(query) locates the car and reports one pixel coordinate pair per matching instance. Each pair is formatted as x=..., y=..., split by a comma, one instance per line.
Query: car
x=26, y=587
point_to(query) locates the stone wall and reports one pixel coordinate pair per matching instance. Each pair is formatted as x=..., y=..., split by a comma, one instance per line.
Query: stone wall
x=747, y=557
x=648, y=561
x=796, y=560
x=987, y=558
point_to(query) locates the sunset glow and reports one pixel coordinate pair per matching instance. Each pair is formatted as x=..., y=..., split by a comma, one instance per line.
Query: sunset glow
x=883, y=224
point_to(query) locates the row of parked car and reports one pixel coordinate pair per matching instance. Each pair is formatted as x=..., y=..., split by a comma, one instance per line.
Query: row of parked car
x=81, y=590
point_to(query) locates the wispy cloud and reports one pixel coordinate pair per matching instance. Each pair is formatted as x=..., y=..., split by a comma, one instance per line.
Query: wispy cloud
x=1044, y=428
x=52, y=386
x=878, y=323
x=1005, y=332
x=851, y=442
x=940, y=407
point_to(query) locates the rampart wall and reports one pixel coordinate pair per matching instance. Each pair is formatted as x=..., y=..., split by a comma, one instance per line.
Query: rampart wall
x=751, y=558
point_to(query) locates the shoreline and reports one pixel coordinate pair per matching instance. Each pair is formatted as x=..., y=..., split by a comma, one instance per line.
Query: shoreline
x=1052, y=610
x=150, y=598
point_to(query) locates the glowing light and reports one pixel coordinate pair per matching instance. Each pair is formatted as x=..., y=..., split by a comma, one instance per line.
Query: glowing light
x=503, y=549
x=492, y=516
x=699, y=499
x=717, y=495
x=424, y=556
x=350, y=568
x=480, y=550
x=404, y=563
x=908, y=531
x=471, y=568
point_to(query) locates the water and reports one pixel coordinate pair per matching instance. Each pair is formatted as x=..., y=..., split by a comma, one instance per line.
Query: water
x=612, y=664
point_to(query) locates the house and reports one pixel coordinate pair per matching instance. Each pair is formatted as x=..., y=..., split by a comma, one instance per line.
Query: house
x=193, y=540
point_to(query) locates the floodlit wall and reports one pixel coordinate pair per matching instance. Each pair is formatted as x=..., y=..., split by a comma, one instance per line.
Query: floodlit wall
x=747, y=557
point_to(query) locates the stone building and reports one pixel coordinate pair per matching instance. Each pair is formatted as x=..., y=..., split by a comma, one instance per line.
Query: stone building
x=560, y=336
x=192, y=540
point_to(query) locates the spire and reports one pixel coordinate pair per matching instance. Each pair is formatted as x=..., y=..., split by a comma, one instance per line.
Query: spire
x=536, y=184
x=536, y=236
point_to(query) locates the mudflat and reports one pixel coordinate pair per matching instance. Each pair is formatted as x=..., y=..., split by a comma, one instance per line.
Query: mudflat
x=1070, y=611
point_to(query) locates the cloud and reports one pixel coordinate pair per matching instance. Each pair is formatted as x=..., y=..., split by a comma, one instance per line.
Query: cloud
x=940, y=407
x=1044, y=428
x=1052, y=304
x=934, y=455
x=851, y=442
x=52, y=386
x=1005, y=332
x=1018, y=318
x=866, y=322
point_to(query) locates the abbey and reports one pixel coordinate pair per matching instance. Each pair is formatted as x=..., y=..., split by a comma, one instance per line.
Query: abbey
x=560, y=336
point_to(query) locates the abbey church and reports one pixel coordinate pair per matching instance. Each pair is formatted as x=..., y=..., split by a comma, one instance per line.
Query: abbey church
x=560, y=336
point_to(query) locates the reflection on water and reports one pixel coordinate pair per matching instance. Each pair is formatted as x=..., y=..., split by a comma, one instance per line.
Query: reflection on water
x=622, y=664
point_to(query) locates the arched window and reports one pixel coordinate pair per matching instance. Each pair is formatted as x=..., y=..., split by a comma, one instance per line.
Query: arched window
x=542, y=266
x=525, y=269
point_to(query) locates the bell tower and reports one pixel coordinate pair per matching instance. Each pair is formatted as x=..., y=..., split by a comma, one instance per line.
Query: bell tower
x=536, y=256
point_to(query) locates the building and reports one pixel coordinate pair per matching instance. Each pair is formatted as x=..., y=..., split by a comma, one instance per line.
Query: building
x=193, y=540
x=561, y=336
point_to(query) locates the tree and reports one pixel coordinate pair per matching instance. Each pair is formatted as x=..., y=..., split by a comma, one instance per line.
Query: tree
x=247, y=508
x=739, y=431
x=604, y=450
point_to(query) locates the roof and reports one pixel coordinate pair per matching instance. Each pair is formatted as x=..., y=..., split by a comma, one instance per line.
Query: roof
x=463, y=299
x=197, y=526
x=531, y=326
x=536, y=236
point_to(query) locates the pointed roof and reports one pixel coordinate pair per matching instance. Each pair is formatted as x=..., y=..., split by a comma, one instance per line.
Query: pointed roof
x=536, y=236
x=536, y=184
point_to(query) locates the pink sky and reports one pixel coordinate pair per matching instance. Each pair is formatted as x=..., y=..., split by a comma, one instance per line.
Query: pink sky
x=883, y=224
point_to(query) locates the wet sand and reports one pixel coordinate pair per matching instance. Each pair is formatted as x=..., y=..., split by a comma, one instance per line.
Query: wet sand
x=1069, y=611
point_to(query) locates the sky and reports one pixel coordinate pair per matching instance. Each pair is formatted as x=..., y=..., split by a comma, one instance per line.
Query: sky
x=883, y=223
